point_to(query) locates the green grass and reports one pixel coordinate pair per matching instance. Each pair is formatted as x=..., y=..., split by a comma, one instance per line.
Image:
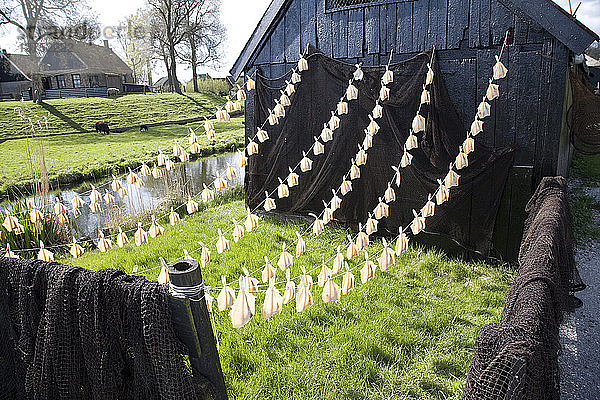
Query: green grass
x=583, y=210
x=407, y=334
x=586, y=168
x=81, y=114
x=72, y=158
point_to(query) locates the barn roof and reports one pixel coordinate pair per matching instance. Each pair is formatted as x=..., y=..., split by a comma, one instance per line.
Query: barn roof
x=564, y=27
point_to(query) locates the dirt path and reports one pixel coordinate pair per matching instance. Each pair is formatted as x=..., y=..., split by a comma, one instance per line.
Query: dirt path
x=580, y=332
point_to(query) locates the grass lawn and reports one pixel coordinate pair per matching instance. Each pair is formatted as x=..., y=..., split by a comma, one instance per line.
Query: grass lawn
x=81, y=114
x=586, y=169
x=407, y=334
x=72, y=158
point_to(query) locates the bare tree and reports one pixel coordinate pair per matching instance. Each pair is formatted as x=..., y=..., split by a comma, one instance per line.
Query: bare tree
x=135, y=43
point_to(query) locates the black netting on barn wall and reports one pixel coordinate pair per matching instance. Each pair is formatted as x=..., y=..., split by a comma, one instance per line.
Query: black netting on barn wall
x=585, y=117
x=69, y=333
x=468, y=218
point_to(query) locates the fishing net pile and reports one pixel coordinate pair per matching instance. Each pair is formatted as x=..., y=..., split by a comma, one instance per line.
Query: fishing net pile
x=585, y=117
x=467, y=219
x=69, y=333
x=518, y=357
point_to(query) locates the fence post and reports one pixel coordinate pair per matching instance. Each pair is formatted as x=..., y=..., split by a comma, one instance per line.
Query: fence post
x=192, y=324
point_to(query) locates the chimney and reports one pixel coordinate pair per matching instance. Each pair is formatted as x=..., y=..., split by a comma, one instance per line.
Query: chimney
x=106, y=44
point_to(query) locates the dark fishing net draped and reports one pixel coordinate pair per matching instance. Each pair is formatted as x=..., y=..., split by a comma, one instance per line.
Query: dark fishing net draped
x=69, y=333
x=467, y=219
x=518, y=357
x=585, y=117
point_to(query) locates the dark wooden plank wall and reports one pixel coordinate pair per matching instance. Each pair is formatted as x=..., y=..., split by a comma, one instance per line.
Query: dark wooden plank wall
x=467, y=34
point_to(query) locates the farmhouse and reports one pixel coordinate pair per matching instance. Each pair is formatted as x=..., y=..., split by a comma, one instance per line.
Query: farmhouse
x=530, y=116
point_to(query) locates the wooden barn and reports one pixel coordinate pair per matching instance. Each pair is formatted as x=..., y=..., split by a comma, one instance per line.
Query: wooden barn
x=531, y=113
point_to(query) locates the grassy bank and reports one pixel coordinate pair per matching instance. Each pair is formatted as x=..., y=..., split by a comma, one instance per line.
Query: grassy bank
x=72, y=158
x=81, y=114
x=584, y=207
x=408, y=333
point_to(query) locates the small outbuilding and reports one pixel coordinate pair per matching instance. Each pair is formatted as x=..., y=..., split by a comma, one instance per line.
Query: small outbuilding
x=531, y=114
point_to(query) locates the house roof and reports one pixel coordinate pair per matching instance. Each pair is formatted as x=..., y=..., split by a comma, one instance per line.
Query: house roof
x=161, y=81
x=69, y=55
x=566, y=28
x=12, y=68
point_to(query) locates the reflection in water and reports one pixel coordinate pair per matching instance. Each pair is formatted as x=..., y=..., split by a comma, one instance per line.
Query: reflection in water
x=186, y=179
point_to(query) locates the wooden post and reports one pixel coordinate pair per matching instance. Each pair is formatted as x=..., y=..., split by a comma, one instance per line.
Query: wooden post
x=191, y=321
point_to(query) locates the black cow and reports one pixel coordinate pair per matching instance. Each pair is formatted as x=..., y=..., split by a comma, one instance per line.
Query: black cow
x=143, y=128
x=102, y=127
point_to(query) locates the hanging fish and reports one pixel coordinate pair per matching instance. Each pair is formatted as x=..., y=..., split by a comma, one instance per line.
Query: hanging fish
x=304, y=297
x=95, y=196
x=296, y=78
x=108, y=198
x=476, y=126
x=462, y=160
x=210, y=134
x=377, y=110
x=75, y=250
x=132, y=178
x=387, y=257
x=351, y=250
x=402, y=242
x=345, y=187
x=289, y=88
x=250, y=85
x=155, y=229
x=373, y=127
x=251, y=222
x=493, y=91
x=156, y=173
x=76, y=202
x=351, y=91
x=285, y=259
x=252, y=147
x=499, y=69
x=388, y=76
x=317, y=226
x=35, y=215
x=335, y=201
x=219, y=183
x=206, y=195
x=242, y=309
x=163, y=276
x=62, y=219
x=290, y=288
x=191, y=205
x=368, y=270
x=342, y=107
x=242, y=160
x=226, y=297
x=327, y=214
x=284, y=99
x=44, y=255
x=347, y=281
x=411, y=141
x=279, y=109
x=184, y=156
x=193, y=138
x=268, y=271
x=292, y=179
x=219, y=115
x=269, y=203
x=429, y=78
x=418, y=123
x=162, y=160
x=468, y=145
x=141, y=237
x=334, y=122
x=418, y=223
x=361, y=156
x=104, y=244
x=406, y=159
x=451, y=178
x=76, y=212
x=338, y=261
x=483, y=110
x=273, y=301
x=230, y=172
x=240, y=95
x=318, y=147
x=209, y=300
x=222, y=243
x=323, y=275
x=8, y=253
x=305, y=163
x=326, y=133
x=282, y=189
x=354, y=171
x=302, y=64
x=358, y=73
x=389, y=195
x=208, y=125
x=367, y=141
x=250, y=283
x=300, y=245
x=331, y=291
x=144, y=170
x=384, y=93
x=371, y=226
x=204, y=255
x=442, y=194
x=381, y=210
x=95, y=207
x=429, y=208
x=425, y=96
x=238, y=231
x=59, y=208
x=229, y=105
x=177, y=149
x=362, y=239
x=122, y=239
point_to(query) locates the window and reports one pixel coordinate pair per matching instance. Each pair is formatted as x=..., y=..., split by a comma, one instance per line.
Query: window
x=60, y=82
x=76, y=80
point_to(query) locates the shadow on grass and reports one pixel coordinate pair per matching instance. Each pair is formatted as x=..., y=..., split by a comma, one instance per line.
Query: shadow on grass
x=52, y=110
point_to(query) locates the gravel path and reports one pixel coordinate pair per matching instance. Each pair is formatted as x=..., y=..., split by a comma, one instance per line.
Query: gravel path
x=580, y=332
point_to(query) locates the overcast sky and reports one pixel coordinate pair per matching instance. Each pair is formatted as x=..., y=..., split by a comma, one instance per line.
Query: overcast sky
x=240, y=17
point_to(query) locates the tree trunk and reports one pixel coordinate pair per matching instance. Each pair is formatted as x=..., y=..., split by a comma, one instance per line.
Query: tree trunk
x=194, y=61
x=167, y=66
x=173, y=67
x=149, y=70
